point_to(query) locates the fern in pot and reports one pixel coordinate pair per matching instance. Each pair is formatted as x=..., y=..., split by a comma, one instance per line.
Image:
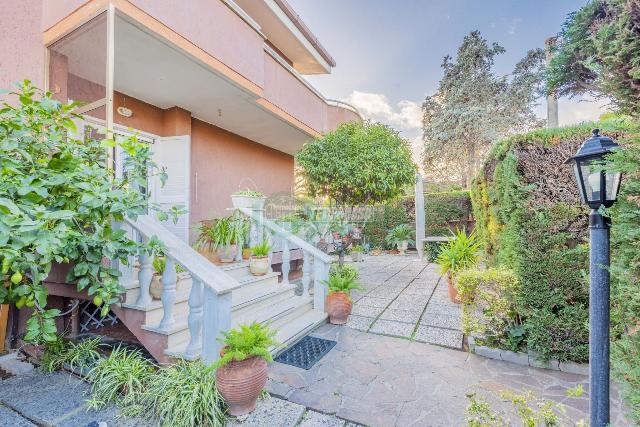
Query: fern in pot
x=400, y=236
x=156, y=287
x=458, y=255
x=259, y=263
x=241, y=371
x=342, y=280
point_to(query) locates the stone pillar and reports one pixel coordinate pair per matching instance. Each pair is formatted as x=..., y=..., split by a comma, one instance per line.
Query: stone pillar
x=420, y=225
x=552, y=101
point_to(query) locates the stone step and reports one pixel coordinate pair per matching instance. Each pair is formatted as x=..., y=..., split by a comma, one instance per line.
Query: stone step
x=281, y=311
x=290, y=333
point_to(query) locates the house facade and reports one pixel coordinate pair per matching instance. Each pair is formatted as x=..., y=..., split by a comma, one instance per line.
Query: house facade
x=215, y=85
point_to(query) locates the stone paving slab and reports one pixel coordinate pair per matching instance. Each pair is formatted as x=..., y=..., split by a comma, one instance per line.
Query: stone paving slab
x=270, y=412
x=407, y=316
x=382, y=381
x=317, y=419
x=8, y=417
x=360, y=323
x=439, y=336
x=390, y=327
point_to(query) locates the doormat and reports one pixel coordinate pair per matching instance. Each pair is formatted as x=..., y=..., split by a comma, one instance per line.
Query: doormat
x=306, y=352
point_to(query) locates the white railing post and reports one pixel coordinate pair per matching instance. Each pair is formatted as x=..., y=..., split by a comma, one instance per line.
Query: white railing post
x=217, y=319
x=321, y=274
x=306, y=272
x=169, y=279
x=258, y=215
x=286, y=261
x=145, y=275
x=195, y=318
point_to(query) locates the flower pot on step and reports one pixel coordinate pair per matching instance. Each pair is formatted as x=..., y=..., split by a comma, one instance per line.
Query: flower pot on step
x=156, y=287
x=227, y=253
x=453, y=291
x=339, y=308
x=240, y=384
x=246, y=254
x=259, y=265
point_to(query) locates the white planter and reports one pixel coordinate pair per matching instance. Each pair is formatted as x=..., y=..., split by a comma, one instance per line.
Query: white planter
x=247, y=202
x=403, y=247
x=357, y=256
x=259, y=266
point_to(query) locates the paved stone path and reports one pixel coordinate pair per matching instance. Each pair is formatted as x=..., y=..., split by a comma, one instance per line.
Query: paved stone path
x=380, y=380
x=407, y=298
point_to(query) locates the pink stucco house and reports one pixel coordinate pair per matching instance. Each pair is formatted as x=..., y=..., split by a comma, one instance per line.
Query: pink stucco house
x=217, y=87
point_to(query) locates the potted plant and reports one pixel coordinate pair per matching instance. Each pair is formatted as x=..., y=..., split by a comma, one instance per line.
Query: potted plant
x=357, y=253
x=248, y=199
x=459, y=254
x=155, y=289
x=400, y=237
x=342, y=280
x=241, y=371
x=204, y=243
x=225, y=235
x=259, y=262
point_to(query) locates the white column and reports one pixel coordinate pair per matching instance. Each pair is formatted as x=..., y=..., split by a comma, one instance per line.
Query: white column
x=217, y=319
x=306, y=272
x=420, y=219
x=321, y=273
x=195, y=319
x=169, y=280
x=286, y=261
x=145, y=274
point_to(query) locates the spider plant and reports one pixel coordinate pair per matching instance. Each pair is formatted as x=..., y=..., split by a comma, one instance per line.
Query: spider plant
x=185, y=395
x=77, y=355
x=120, y=378
x=228, y=231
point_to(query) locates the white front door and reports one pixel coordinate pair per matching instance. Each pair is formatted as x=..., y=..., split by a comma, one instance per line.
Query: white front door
x=174, y=154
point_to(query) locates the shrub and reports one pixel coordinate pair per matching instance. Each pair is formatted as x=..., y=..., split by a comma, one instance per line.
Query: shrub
x=185, y=395
x=530, y=220
x=262, y=249
x=459, y=254
x=247, y=341
x=399, y=234
x=383, y=218
x=488, y=307
x=446, y=211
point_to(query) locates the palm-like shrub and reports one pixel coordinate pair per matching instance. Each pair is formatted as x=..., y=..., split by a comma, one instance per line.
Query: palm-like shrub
x=399, y=234
x=247, y=341
x=459, y=254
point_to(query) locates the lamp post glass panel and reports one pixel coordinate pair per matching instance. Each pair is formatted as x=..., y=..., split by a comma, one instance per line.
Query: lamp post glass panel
x=598, y=188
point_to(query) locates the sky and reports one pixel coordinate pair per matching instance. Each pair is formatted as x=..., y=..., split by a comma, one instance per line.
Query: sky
x=389, y=52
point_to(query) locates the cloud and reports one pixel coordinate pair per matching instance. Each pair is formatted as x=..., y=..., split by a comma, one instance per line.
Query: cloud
x=405, y=115
x=513, y=25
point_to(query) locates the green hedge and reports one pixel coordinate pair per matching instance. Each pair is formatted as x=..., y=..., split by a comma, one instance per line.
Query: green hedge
x=444, y=211
x=530, y=219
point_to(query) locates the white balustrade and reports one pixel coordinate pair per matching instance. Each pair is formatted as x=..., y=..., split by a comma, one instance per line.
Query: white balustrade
x=320, y=275
x=210, y=298
x=286, y=260
x=196, y=303
x=306, y=273
x=169, y=281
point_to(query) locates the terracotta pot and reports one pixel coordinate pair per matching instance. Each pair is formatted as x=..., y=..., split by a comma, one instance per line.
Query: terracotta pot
x=228, y=253
x=210, y=255
x=240, y=384
x=155, y=288
x=259, y=266
x=376, y=252
x=246, y=253
x=453, y=291
x=339, y=308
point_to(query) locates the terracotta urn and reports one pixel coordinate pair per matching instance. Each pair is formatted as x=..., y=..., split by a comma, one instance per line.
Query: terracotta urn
x=210, y=255
x=240, y=384
x=228, y=253
x=453, y=291
x=259, y=265
x=339, y=307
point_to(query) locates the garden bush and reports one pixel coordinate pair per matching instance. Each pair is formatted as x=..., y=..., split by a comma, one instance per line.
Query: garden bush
x=530, y=219
x=488, y=307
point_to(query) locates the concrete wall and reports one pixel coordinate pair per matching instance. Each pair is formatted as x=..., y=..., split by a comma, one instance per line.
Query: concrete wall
x=225, y=162
x=21, y=50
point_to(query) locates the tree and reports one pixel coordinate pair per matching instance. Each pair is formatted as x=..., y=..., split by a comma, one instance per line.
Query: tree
x=598, y=53
x=358, y=163
x=473, y=107
x=58, y=204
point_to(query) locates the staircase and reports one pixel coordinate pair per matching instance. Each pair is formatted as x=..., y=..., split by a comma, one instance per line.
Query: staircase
x=258, y=298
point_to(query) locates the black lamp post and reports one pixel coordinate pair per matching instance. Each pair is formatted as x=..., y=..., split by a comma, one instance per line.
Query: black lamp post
x=598, y=188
